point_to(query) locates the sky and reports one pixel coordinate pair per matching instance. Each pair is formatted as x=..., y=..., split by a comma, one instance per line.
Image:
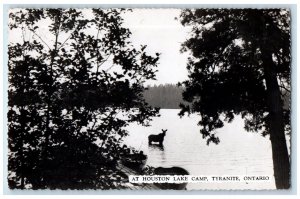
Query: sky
x=158, y=29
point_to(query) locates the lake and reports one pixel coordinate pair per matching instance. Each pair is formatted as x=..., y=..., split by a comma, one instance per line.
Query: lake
x=238, y=153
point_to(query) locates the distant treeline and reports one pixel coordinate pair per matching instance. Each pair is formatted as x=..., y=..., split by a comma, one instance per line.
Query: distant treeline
x=167, y=96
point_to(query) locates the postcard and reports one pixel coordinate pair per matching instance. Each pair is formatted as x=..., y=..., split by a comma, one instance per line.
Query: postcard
x=149, y=99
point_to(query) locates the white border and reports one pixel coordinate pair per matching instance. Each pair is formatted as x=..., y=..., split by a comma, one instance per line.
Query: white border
x=169, y=3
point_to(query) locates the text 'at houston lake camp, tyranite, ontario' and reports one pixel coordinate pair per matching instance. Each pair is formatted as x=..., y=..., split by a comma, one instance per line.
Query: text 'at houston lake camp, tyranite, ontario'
x=194, y=179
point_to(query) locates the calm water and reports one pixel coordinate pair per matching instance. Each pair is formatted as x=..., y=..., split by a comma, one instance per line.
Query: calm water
x=238, y=153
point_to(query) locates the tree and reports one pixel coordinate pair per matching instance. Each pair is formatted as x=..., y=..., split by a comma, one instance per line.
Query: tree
x=167, y=96
x=75, y=82
x=240, y=64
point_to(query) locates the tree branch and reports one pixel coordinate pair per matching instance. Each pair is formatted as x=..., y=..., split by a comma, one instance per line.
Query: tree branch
x=40, y=38
x=283, y=87
x=65, y=41
x=98, y=66
x=67, y=38
x=97, y=51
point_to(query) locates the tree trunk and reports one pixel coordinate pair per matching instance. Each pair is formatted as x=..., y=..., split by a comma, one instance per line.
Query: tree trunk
x=281, y=162
x=49, y=102
x=22, y=153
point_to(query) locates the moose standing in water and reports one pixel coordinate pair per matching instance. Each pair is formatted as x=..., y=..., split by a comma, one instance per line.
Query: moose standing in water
x=157, y=138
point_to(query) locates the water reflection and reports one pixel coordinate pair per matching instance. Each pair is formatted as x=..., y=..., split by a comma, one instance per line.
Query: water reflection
x=157, y=153
x=239, y=153
x=153, y=147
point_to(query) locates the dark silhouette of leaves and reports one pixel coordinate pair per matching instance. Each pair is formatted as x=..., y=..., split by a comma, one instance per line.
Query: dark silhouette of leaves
x=67, y=108
x=240, y=64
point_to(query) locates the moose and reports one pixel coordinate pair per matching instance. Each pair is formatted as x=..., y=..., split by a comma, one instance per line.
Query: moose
x=157, y=138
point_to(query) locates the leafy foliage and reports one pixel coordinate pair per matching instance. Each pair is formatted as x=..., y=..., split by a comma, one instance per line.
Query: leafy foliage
x=226, y=69
x=167, y=96
x=240, y=64
x=71, y=94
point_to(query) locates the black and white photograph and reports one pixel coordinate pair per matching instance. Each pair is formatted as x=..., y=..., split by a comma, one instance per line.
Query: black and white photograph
x=149, y=99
